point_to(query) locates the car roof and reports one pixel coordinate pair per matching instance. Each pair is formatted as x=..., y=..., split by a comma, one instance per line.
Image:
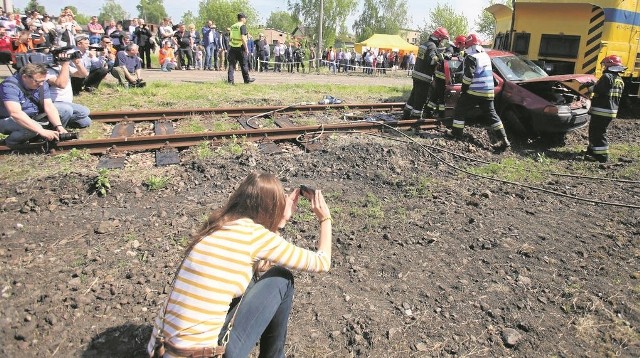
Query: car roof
x=499, y=53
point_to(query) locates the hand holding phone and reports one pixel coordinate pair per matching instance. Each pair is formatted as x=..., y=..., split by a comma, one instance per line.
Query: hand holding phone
x=307, y=191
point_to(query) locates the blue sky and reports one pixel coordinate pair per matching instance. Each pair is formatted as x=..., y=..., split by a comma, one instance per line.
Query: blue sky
x=418, y=9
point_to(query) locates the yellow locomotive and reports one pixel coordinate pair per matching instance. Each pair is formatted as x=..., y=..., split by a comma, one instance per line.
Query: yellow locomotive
x=565, y=36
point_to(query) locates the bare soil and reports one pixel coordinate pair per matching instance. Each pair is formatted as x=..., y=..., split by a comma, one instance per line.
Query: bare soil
x=428, y=261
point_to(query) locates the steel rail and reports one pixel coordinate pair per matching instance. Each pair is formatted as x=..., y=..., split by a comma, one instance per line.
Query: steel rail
x=142, y=143
x=148, y=115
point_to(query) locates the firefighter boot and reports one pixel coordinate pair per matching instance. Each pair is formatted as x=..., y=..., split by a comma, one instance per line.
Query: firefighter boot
x=502, y=143
x=406, y=113
x=456, y=132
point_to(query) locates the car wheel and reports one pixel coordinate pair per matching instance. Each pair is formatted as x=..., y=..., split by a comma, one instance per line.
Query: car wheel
x=516, y=123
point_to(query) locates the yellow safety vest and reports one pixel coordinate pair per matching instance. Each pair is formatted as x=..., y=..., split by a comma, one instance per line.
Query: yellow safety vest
x=235, y=36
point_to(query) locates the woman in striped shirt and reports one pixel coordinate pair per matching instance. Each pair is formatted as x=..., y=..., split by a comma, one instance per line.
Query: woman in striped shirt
x=216, y=278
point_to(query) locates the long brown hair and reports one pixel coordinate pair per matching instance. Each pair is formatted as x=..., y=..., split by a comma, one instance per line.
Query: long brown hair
x=260, y=197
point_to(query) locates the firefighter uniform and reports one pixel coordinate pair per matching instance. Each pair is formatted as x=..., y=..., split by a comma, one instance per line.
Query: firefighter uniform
x=423, y=74
x=478, y=90
x=435, y=105
x=607, y=93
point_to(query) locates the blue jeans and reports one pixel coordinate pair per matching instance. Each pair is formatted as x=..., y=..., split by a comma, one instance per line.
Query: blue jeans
x=263, y=315
x=208, y=56
x=72, y=114
x=17, y=133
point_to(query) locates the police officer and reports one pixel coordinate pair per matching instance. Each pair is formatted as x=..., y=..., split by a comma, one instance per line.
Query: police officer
x=478, y=90
x=422, y=73
x=239, y=49
x=607, y=93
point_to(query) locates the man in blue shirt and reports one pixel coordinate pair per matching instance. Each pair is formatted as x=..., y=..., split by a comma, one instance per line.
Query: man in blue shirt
x=128, y=67
x=27, y=110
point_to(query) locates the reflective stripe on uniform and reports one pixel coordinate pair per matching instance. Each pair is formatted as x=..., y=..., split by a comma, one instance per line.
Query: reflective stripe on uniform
x=458, y=124
x=600, y=150
x=488, y=95
x=421, y=76
x=432, y=105
x=440, y=74
x=497, y=126
x=604, y=112
x=442, y=107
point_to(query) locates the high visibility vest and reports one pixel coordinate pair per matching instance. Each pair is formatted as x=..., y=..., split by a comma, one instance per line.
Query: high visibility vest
x=235, y=36
x=481, y=82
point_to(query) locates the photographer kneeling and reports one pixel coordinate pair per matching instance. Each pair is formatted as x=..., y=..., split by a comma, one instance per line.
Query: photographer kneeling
x=69, y=64
x=128, y=67
x=27, y=110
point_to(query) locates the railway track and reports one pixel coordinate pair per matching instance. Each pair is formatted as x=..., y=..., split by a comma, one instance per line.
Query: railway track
x=372, y=117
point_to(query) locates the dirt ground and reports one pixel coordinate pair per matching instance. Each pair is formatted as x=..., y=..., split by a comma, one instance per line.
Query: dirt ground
x=428, y=261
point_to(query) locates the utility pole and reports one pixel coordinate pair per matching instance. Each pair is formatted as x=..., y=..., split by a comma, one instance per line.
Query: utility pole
x=319, y=54
x=8, y=5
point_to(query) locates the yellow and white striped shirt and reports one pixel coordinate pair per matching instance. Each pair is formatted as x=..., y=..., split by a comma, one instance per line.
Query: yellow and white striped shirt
x=218, y=269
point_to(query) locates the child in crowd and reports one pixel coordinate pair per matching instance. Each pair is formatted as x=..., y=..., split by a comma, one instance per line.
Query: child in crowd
x=166, y=57
x=199, y=55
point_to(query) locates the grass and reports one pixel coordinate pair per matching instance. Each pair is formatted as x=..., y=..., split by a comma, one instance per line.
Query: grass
x=164, y=94
x=519, y=169
x=155, y=182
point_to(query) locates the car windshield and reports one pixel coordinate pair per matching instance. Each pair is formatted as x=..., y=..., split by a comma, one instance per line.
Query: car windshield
x=514, y=68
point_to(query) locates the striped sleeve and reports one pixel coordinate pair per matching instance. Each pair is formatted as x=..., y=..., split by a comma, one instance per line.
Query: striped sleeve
x=272, y=247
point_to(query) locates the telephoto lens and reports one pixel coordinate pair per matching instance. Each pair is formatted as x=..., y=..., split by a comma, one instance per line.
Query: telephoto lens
x=67, y=136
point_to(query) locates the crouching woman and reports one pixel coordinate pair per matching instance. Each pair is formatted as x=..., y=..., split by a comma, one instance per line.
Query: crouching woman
x=217, y=304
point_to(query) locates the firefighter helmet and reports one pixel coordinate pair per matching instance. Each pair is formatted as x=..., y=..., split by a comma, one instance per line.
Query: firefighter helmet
x=472, y=40
x=441, y=34
x=460, y=40
x=613, y=63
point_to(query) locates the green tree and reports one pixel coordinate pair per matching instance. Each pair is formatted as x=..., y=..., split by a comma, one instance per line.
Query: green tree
x=224, y=13
x=34, y=5
x=111, y=10
x=152, y=11
x=486, y=23
x=381, y=17
x=281, y=20
x=444, y=16
x=189, y=18
x=335, y=14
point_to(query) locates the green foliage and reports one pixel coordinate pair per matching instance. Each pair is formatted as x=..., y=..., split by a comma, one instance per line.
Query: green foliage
x=486, y=23
x=422, y=188
x=111, y=10
x=381, y=17
x=73, y=155
x=156, y=182
x=520, y=170
x=188, y=18
x=204, y=150
x=282, y=20
x=152, y=11
x=181, y=241
x=445, y=16
x=335, y=14
x=34, y=5
x=224, y=13
x=233, y=146
x=101, y=183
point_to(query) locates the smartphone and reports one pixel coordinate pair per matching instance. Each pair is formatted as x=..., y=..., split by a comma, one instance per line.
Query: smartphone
x=307, y=191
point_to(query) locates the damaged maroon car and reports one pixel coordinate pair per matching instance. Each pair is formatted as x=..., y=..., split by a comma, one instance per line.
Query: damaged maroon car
x=529, y=101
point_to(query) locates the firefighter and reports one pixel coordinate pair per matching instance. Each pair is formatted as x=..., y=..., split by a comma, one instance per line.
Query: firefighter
x=435, y=104
x=607, y=93
x=478, y=89
x=423, y=72
x=458, y=46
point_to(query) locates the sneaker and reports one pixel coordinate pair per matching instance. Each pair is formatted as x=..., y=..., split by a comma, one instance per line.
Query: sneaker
x=165, y=70
x=250, y=80
x=90, y=89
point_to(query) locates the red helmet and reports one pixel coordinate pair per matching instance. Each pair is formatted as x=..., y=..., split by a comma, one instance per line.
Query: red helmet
x=472, y=40
x=612, y=60
x=440, y=33
x=460, y=40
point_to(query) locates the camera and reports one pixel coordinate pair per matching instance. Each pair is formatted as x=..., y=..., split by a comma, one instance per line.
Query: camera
x=67, y=136
x=307, y=191
x=71, y=52
x=96, y=47
x=138, y=84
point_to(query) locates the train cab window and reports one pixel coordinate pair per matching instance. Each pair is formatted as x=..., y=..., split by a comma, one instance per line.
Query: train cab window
x=501, y=42
x=563, y=46
x=521, y=43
